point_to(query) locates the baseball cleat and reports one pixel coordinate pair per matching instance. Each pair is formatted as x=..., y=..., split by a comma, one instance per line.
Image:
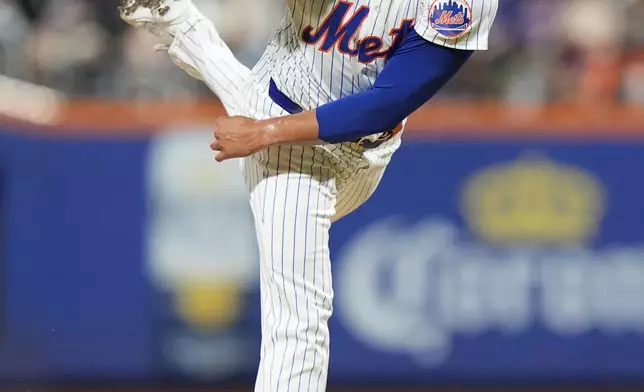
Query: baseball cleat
x=156, y=16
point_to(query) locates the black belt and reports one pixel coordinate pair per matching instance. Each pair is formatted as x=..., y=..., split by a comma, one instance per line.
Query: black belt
x=291, y=107
x=282, y=100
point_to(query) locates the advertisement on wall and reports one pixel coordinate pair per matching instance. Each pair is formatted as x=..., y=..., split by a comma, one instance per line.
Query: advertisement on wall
x=201, y=260
x=495, y=261
x=473, y=261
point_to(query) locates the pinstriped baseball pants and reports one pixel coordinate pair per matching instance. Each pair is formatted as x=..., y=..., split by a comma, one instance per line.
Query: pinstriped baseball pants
x=295, y=193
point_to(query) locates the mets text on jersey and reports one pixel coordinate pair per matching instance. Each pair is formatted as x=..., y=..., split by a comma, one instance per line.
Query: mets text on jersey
x=335, y=32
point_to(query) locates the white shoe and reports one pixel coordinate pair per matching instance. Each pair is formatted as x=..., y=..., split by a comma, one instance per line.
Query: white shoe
x=159, y=17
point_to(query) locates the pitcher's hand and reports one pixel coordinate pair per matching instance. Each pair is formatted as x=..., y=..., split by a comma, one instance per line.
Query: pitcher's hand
x=238, y=137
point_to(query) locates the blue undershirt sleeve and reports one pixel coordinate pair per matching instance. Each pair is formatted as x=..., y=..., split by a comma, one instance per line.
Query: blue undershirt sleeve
x=415, y=73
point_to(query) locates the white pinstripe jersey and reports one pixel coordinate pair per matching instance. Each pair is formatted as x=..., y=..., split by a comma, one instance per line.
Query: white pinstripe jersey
x=327, y=49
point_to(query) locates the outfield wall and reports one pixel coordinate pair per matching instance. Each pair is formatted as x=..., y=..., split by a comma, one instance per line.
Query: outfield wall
x=502, y=246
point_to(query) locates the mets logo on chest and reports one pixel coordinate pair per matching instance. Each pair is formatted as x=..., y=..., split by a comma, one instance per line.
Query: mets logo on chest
x=450, y=18
x=343, y=24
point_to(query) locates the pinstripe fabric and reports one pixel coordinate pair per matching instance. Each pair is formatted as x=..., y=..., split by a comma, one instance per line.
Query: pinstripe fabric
x=296, y=192
x=220, y=70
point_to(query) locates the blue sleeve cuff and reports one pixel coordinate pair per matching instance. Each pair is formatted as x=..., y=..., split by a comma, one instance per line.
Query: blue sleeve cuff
x=417, y=70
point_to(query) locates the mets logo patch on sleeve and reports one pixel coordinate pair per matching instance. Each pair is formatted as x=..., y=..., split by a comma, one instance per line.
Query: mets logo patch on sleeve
x=450, y=18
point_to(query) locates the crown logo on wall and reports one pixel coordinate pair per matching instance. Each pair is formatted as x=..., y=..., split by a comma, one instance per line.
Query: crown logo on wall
x=533, y=201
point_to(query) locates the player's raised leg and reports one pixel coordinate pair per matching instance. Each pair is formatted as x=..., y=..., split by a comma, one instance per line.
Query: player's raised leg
x=292, y=192
x=354, y=193
x=193, y=44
